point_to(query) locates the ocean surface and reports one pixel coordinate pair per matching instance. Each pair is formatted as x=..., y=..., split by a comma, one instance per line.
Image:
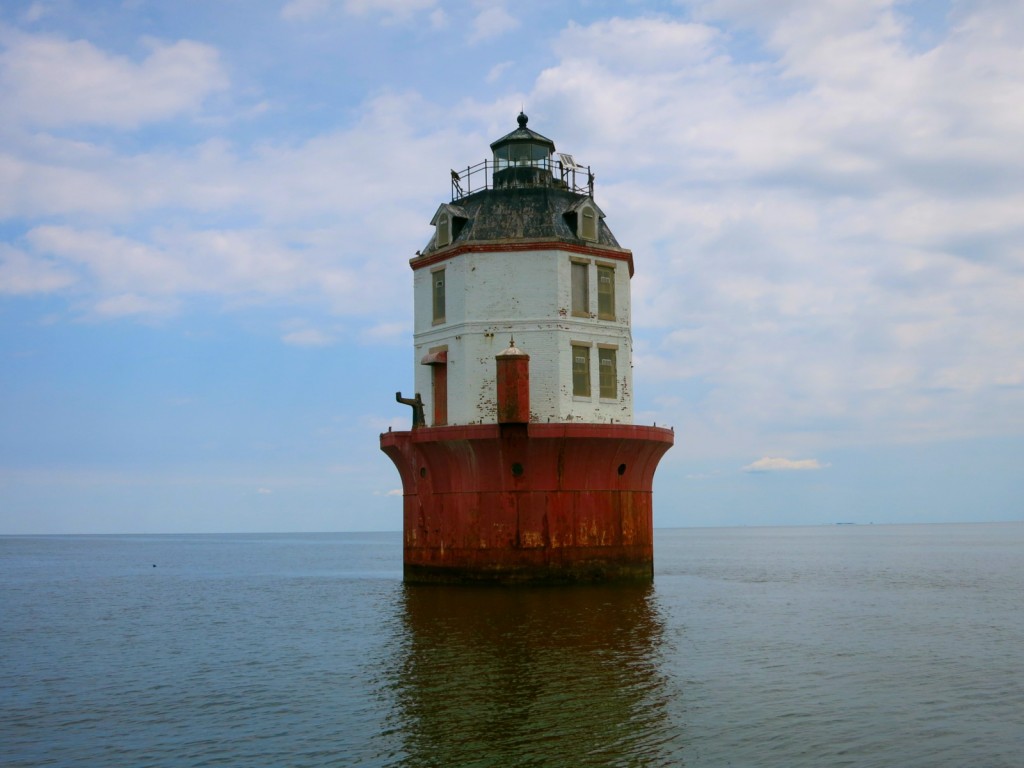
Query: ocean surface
x=819, y=646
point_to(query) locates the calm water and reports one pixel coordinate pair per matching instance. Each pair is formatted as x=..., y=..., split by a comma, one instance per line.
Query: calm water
x=831, y=646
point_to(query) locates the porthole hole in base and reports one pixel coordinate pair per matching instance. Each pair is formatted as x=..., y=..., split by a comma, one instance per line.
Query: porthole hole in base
x=517, y=469
x=622, y=469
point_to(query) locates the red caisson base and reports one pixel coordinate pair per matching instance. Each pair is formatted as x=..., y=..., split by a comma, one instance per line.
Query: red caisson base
x=528, y=503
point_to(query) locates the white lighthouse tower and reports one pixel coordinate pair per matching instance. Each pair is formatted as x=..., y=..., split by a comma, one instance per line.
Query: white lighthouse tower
x=531, y=259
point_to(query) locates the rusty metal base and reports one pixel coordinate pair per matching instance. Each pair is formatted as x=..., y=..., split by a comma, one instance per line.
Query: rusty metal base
x=599, y=572
x=536, y=503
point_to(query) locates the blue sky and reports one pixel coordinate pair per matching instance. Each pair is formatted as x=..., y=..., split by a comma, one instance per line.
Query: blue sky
x=207, y=211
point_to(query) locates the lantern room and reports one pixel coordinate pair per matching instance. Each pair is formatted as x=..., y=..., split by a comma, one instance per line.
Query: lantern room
x=522, y=158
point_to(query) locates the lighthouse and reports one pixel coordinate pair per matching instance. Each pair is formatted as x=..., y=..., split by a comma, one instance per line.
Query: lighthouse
x=523, y=464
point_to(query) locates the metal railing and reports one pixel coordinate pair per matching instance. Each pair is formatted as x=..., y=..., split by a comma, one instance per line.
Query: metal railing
x=476, y=178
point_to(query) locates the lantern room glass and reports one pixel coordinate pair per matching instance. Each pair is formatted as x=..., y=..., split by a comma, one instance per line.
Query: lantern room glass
x=522, y=154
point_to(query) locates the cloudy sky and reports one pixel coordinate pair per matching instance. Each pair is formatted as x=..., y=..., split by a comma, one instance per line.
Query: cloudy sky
x=207, y=212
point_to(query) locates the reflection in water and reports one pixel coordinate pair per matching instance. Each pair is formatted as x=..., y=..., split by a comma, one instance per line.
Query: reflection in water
x=534, y=677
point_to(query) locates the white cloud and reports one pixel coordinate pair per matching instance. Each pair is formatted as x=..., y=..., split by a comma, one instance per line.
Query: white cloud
x=308, y=337
x=438, y=19
x=387, y=333
x=494, y=73
x=23, y=274
x=644, y=44
x=54, y=177
x=391, y=10
x=319, y=223
x=344, y=179
x=36, y=11
x=116, y=263
x=827, y=243
x=776, y=464
x=827, y=238
x=493, y=21
x=304, y=10
x=129, y=304
x=50, y=81
x=128, y=275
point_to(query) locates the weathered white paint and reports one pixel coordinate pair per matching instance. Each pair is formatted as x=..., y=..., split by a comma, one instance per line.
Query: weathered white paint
x=493, y=296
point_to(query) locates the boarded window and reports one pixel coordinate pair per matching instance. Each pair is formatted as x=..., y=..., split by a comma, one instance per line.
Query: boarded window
x=438, y=281
x=444, y=230
x=606, y=293
x=607, y=372
x=588, y=224
x=580, y=370
x=580, y=288
x=439, y=380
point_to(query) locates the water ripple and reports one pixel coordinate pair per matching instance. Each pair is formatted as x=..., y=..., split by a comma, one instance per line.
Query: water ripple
x=774, y=647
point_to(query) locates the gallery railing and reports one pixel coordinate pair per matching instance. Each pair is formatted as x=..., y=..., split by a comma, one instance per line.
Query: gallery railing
x=560, y=174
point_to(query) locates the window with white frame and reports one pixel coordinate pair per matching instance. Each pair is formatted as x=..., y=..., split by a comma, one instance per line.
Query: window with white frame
x=607, y=373
x=580, y=288
x=580, y=370
x=605, y=292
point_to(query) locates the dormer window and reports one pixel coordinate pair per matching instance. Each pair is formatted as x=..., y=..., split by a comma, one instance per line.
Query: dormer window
x=448, y=222
x=588, y=223
x=444, y=230
x=584, y=219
